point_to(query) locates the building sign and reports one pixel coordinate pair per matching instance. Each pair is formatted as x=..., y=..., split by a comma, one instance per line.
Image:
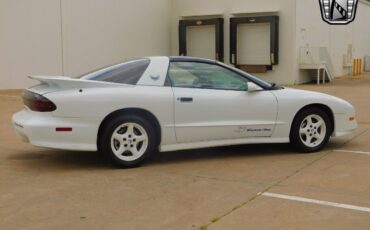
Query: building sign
x=338, y=12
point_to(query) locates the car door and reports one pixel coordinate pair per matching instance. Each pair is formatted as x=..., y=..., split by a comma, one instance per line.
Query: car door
x=212, y=103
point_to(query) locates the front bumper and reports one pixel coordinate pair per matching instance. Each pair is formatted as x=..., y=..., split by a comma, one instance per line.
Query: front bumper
x=344, y=126
x=40, y=130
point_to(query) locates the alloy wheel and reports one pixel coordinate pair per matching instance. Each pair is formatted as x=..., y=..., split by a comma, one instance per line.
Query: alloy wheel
x=129, y=141
x=312, y=130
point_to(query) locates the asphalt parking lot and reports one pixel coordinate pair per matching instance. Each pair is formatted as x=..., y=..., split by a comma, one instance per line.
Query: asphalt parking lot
x=239, y=187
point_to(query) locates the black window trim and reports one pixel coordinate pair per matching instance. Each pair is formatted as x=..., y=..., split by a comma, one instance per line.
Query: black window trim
x=207, y=61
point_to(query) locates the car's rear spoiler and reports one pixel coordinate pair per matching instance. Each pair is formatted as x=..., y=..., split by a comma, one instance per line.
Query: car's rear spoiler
x=57, y=83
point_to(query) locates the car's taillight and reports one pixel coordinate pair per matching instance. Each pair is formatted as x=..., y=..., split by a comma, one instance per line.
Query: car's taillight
x=37, y=102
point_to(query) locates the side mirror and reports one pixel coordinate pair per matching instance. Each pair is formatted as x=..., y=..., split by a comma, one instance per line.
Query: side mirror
x=251, y=87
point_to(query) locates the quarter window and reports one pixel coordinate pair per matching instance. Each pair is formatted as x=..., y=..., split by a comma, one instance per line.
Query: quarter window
x=126, y=73
x=205, y=76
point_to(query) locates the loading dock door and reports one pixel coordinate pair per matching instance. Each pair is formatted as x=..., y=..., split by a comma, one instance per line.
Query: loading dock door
x=202, y=38
x=201, y=41
x=254, y=44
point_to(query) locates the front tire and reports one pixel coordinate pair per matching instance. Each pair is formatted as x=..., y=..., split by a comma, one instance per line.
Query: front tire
x=311, y=130
x=127, y=140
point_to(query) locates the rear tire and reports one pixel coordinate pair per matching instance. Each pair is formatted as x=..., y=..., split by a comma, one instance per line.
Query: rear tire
x=127, y=140
x=311, y=130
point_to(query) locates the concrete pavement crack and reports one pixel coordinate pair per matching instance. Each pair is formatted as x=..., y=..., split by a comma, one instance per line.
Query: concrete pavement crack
x=204, y=227
x=220, y=179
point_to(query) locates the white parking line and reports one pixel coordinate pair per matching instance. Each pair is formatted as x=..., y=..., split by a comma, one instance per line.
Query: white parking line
x=313, y=201
x=351, y=151
x=10, y=96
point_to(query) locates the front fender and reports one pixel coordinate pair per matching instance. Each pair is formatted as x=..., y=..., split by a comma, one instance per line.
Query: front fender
x=291, y=101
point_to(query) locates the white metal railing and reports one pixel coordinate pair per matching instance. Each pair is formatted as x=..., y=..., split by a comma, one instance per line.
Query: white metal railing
x=326, y=59
x=316, y=58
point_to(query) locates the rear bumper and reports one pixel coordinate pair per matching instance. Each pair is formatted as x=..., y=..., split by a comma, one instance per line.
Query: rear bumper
x=40, y=130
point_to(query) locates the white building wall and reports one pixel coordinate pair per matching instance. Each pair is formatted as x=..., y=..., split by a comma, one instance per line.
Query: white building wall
x=98, y=33
x=361, y=31
x=30, y=41
x=312, y=31
x=283, y=72
x=70, y=37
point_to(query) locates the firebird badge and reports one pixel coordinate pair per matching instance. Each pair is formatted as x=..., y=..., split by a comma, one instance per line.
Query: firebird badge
x=243, y=129
x=338, y=12
x=154, y=78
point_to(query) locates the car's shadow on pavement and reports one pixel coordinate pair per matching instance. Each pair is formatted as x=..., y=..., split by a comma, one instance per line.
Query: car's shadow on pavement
x=58, y=159
x=227, y=152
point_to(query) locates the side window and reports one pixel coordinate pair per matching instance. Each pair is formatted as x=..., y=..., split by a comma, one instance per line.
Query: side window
x=206, y=76
x=126, y=73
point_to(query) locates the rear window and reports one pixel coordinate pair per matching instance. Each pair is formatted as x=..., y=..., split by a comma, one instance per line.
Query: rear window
x=126, y=73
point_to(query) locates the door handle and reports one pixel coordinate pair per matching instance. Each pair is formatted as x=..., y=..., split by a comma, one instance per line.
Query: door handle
x=185, y=99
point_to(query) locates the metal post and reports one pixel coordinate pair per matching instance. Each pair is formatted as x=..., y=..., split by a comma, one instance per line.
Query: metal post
x=323, y=76
x=318, y=76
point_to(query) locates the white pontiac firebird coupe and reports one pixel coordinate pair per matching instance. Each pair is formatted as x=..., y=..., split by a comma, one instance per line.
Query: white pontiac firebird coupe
x=129, y=110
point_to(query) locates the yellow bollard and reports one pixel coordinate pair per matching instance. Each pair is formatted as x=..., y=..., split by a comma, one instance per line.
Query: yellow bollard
x=354, y=67
x=360, y=66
